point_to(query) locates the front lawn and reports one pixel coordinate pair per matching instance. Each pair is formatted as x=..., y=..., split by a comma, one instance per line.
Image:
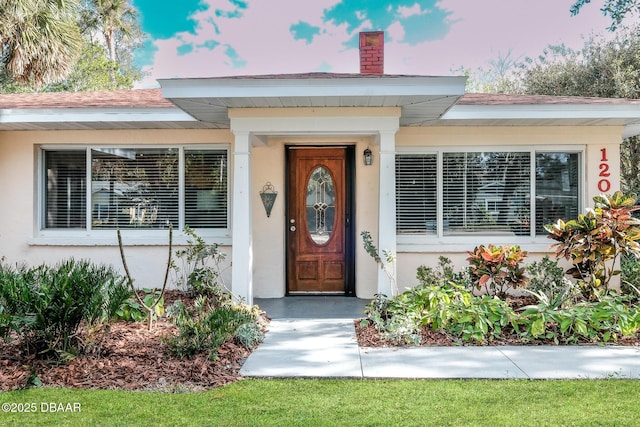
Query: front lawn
x=343, y=403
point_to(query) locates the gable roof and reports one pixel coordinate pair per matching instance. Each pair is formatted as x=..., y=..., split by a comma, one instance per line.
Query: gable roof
x=204, y=103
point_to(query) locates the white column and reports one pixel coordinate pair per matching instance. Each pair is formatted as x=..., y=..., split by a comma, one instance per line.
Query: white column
x=242, y=250
x=387, y=209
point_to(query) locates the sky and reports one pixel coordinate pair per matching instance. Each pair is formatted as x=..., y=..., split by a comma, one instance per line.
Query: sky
x=214, y=38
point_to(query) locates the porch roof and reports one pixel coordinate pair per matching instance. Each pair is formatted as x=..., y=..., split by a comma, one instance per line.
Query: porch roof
x=204, y=103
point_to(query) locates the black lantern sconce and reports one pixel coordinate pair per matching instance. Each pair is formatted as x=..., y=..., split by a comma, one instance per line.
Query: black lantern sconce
x=268, y=196
x=367, y=157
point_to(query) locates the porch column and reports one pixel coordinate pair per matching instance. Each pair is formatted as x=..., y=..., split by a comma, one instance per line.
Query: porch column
x=242, y=249
x=387, y=209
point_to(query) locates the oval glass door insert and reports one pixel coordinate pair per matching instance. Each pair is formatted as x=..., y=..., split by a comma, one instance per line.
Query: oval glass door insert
x=320, y=205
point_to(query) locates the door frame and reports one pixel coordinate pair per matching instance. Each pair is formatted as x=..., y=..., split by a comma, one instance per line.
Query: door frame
x=350, y=210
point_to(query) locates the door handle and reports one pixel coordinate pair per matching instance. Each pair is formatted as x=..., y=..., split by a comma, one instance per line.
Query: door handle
x=292, y=228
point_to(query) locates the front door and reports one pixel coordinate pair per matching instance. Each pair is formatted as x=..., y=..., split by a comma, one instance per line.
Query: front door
x=318, y=220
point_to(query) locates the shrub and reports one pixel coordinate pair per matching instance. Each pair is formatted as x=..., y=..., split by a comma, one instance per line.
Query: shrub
x=201, y=269
x=595, y=241
x=497, y=268
x=47, y=305
x=606, y=320
x=206, y=327
x=249, y=335
x=630, y=276
x=132, y=311
x=547, y=278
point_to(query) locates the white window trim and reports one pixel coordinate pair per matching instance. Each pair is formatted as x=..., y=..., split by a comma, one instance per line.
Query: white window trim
x=131, y=237
x=438, y=243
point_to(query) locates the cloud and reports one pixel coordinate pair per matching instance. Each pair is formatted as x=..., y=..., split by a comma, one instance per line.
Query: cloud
x=304, y=31
x=422, y=20
x=168, y=18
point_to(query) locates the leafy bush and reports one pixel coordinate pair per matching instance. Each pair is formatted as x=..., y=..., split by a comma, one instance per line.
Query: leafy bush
x=546, y=277
x=206, y=327
x=201, y=265
x=448, y=308
x=497, y=268
x=630, y=276
x=443, y=305
x=132, y=311
x=249, y=335
x=47, y=305
x=606, y=320
x=595, y=241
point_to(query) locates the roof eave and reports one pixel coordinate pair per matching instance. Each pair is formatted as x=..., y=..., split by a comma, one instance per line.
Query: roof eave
x=321, y=87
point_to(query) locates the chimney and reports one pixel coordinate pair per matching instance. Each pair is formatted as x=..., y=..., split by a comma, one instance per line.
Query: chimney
x=372, y=52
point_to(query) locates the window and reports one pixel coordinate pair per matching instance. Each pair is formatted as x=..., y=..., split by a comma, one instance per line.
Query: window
x=490, y=193
x=142, y=188
x=416, y=193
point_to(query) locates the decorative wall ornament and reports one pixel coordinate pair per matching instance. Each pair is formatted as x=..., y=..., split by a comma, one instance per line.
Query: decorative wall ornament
x=268, y=196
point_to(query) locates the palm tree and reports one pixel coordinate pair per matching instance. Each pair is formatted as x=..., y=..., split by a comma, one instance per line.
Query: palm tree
x=114, y=19
x=39, y=40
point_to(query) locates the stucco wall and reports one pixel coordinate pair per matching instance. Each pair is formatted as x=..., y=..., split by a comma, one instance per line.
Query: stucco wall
x=593, y=139
x=20, y=239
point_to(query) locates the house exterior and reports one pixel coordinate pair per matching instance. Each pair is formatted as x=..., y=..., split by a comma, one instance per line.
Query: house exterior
x=448, y=171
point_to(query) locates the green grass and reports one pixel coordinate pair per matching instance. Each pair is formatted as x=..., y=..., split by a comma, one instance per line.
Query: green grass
x=346, y=403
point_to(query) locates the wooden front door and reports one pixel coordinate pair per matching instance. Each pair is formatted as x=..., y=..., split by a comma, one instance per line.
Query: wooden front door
x=317, y=220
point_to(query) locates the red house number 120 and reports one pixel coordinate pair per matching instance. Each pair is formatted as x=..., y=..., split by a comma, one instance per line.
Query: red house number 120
x=604, y=184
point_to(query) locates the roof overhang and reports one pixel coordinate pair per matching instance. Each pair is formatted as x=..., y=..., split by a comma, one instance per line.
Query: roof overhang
x=96, y=118
x=626, y=115
x=422, y=99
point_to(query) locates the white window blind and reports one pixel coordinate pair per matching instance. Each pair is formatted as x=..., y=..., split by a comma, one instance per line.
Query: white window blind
x=486, y=192
x=134, y=188
x=416, y=193
x=557, y=188
x=65, y=189
x=206, y=188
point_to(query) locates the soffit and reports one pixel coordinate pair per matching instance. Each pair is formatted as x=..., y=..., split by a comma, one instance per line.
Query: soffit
x=421, y=99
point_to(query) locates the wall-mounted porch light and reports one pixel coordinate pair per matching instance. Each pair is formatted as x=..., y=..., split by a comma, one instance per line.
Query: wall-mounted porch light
x=368, y=157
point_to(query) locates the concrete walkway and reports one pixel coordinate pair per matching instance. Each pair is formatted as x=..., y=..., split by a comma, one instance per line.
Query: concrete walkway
x=327, y=348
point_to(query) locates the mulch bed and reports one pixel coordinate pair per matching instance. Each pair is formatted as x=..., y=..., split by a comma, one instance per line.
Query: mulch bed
x=130, y=357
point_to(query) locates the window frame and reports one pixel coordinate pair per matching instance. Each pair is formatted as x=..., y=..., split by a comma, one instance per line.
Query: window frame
x=93, y=236
x=448, y=242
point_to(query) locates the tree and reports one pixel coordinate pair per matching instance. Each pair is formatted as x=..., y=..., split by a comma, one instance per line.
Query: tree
x=108, y=33
x=116, y=21
x=93, y=71
x=602, y=68
x=40, y=40
x=617, y=9
x=497, y=78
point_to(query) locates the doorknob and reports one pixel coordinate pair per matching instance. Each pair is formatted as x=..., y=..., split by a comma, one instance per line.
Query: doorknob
x=292, y=228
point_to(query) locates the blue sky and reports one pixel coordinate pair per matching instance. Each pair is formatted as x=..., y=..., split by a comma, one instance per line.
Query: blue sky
x=209, y=38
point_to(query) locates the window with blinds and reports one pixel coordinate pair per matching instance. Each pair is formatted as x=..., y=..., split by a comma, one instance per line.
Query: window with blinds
x=66, y=189
x=416, y=193
x=557, y=188
x=205, y=198
x=135, y=188
x=485, y=192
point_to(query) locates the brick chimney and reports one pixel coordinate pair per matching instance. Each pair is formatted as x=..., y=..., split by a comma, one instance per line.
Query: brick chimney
x=372, y=52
